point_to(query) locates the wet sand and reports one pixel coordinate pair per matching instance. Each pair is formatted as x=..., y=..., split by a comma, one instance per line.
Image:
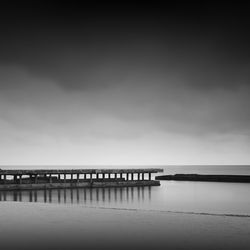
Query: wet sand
x=65, y=226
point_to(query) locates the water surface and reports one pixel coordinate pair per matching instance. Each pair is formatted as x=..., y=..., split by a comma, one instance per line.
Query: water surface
x=184, y=196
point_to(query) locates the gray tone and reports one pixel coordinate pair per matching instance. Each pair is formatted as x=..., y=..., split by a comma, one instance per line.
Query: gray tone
x=124, y=84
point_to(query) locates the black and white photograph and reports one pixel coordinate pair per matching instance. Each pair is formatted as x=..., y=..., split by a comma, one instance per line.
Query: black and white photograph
x=124, y=125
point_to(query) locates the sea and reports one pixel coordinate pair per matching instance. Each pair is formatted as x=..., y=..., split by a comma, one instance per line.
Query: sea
x=189, y=197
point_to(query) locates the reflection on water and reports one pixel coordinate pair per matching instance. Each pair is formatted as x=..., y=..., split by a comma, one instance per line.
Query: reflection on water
x=78, y=196
x=208, y=197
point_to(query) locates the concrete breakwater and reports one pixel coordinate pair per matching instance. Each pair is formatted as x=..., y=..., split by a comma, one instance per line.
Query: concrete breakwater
x=203, y=177
x=76, y=178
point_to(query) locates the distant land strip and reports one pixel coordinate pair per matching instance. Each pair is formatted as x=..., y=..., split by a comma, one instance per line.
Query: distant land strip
x=203, y=177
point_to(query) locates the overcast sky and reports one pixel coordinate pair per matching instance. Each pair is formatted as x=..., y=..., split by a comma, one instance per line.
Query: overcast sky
x=115, y=84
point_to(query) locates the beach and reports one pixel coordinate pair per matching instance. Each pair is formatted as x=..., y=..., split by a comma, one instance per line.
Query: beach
x=70, y=226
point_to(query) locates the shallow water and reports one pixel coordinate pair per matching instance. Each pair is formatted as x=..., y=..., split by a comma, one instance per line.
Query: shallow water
x=187, y=197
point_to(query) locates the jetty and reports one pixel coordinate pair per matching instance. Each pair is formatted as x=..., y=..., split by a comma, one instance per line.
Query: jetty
x=76, y=178
x=204, y=177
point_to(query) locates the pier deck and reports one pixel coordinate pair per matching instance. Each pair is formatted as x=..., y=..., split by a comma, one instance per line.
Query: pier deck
x=74, y=178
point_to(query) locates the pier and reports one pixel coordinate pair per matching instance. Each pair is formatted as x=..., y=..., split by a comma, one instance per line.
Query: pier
x=76, y=178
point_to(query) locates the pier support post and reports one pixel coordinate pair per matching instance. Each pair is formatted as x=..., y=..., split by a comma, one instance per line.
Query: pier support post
x=109, y=176
x=20, y=179
x=132, y=176
x=84, y=176
x=77, y=177
x=127, y=177
x=36, y=179
x=149, y=176
x=4, y=179
x=142, y=176
x=64, y=178
x=115, y=176
x=138, y=178
x=15, y=179
x=72, y=177
x=50, y=179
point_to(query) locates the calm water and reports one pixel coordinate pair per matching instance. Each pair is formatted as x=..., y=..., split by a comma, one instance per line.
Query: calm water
x=197, y=197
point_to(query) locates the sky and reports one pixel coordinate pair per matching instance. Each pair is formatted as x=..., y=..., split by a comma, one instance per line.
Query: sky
x=124, y=84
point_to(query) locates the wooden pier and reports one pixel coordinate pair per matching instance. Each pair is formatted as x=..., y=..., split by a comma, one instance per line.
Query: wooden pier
x=76, y=178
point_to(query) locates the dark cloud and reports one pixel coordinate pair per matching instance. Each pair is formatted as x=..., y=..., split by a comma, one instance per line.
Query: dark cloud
x=94, y=45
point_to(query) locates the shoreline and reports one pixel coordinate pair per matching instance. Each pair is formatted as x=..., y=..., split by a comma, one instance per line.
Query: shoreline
x=176, y=212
